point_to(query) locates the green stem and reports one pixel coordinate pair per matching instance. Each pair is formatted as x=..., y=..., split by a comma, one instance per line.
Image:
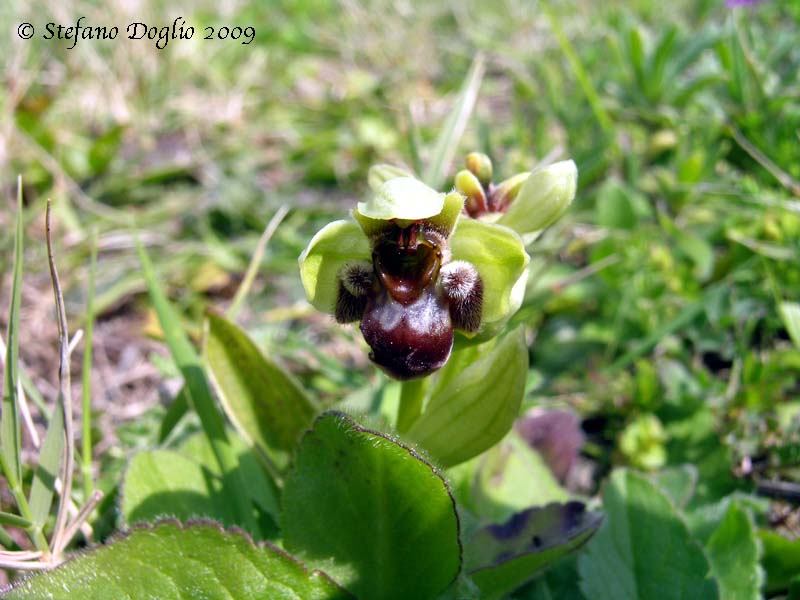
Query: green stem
x=412, y=393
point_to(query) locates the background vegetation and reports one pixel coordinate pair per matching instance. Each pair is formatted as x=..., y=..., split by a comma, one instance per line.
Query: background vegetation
x=659, y=309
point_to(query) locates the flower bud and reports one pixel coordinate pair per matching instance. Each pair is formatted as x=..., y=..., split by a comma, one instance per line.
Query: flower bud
x=543, y=198
x=505, y=193
x=380, y=174
x=468, y=185
x=481, y=166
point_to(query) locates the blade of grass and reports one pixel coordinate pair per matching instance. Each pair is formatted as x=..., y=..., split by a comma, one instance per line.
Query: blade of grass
x=175, y=412
x=43, y=486
x=188, y=361
x=64, y=400
x=10, y=422
x=10, y=443
x=757, y=155
x=86, y=377
x=585, y=83
x=14, y=520
x=456, y=123
x=255, y=261
x=686, y=316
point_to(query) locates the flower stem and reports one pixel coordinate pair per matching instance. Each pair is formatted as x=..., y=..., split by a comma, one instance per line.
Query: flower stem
x=412, y=393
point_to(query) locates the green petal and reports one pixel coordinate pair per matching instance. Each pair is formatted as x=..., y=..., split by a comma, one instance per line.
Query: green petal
x=543, y=198
x=335, y=245
x=404, y=198
x=499, y=255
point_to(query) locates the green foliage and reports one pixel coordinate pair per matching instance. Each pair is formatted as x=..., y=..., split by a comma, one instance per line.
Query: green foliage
x=168, y=560
x=642, y=523
x=661, y=309
x=501, y=558
x=265, y=403
x=186, y=483
x=458, y=422
x=371, y=512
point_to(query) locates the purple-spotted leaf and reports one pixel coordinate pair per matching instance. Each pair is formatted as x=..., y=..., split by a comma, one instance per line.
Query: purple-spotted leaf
x=169, y=561
x=371, y=512
x=500, y=558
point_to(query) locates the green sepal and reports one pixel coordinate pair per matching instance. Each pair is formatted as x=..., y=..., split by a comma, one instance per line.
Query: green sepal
x=403, y=198
x=381, y=173
x=500, y=258
x=335, y=245
x=445, y=221
x=543, y=198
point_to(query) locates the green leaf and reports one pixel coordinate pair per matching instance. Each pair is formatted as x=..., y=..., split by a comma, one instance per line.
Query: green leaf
x=734, y=554
x=186, y=483
x=500, y=258
x=614, y=208
x=10, y=442
x=781, y=560
x=500, y=558
x=335, y=245
x=474, y=400
x=188, y=361
x=370, y=512
x=679, y=482
x=512, y=477
x=164, y=483
x=790, y=313
x=454, y=126
x=699, y=251
x=169, y=561
x=104, y=149
x=644, y=549
x=46, y=472
x=558, y=583
x=262, y=400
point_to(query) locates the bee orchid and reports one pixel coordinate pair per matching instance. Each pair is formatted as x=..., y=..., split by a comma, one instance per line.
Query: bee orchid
x=415, y=270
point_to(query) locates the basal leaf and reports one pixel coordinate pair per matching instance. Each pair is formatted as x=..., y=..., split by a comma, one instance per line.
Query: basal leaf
x=473, y=404
x=512, y=477
x=198, y=387
x=500, y=558
x=186, y=483
x=263, y=401
x=733, y=551
x=781, y=560
x=371, y=512
x=644, y=548
x=169, y=561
